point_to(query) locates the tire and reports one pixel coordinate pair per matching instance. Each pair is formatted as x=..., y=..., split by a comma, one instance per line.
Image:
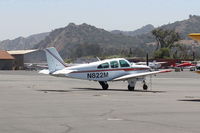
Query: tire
x=131, y=88
x=145, y=87
x=105, y=87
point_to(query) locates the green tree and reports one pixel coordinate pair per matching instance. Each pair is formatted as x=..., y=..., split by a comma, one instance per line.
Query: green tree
x=162, y=53
x=165, y=41
x=165, y=38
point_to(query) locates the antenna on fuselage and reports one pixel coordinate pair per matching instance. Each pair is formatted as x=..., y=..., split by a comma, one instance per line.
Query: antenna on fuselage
x=98, y=59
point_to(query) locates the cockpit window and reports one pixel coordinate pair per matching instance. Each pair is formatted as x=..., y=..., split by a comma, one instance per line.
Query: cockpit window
x=124, y=63
x=104, y=65
x=114, y=64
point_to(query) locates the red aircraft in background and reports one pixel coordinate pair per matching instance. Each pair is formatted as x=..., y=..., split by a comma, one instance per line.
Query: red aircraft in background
x=185, y=64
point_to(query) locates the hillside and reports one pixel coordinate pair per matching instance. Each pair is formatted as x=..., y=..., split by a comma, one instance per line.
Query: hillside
x=86, y=40
x=22, y=43
x=144, y=30
x=191, y=25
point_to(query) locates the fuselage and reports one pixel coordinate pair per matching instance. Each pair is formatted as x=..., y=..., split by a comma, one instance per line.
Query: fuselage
x=105, y=70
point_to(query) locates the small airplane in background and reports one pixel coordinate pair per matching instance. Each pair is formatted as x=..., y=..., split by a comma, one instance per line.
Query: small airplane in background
x=153, y=65
x=35, y=66
x=117, y=69
x=183, y=65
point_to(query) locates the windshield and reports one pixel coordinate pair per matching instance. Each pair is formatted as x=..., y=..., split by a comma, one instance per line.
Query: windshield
x=124, y=63
x=104, y=65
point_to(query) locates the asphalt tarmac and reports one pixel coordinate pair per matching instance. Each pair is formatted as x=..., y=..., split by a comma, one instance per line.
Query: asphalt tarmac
x=35, y=103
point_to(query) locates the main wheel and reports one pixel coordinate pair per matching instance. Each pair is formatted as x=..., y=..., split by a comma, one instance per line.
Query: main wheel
x=131, y=88
x=145, y=87
x=105, y=86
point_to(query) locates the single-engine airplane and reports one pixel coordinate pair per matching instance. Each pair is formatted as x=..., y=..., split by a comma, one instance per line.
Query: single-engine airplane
x=117, y=69
x=184, y=64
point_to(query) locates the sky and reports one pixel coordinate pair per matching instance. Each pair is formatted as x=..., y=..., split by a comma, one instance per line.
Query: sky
x=27, y=17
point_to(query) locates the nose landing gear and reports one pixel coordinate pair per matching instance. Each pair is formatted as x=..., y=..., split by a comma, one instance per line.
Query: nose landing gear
x=145, y=87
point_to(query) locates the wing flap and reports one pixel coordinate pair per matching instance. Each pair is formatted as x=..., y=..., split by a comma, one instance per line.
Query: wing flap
x=135, y=75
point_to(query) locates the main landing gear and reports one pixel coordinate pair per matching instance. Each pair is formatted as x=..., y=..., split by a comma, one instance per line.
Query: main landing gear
x=104, y=85
x=131, y=88
x=131, y=85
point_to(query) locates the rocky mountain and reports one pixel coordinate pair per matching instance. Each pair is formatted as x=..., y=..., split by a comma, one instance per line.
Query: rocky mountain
x=86, y=40
x=144, y=30
x=191, y=25
x=23, y=43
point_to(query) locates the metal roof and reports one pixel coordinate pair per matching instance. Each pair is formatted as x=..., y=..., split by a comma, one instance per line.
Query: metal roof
x=17, y=52
x=4, y=55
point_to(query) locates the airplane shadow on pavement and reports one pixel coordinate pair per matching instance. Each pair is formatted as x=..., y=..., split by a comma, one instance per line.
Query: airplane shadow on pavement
x=99, y=89
x=189, y=100
x=45, y=91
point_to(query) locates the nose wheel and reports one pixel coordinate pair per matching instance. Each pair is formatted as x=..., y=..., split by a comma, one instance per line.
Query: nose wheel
x=104, y=85
x=145, y=87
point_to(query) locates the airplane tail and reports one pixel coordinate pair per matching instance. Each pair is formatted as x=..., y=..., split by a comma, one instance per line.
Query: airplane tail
x=55, y=62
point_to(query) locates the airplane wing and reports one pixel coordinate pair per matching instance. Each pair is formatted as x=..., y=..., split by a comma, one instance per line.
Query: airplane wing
x=135, y=75
x=195, y=36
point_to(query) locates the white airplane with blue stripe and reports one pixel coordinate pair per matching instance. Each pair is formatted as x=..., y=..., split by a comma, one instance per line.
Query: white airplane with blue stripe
x=117, y=69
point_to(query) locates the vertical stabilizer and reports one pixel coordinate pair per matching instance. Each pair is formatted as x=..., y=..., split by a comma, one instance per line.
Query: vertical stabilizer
x=55, y=62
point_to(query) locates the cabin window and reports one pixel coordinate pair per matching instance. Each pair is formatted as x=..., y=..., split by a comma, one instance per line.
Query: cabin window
x=104, y=65
x=114, y=64
x=124, y=63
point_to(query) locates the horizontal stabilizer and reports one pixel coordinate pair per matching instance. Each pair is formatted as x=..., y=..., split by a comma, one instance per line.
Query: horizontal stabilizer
x=44, y=71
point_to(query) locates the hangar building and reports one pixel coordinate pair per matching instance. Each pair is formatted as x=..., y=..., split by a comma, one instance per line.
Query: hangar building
x=27, y=56
x=6, y=60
